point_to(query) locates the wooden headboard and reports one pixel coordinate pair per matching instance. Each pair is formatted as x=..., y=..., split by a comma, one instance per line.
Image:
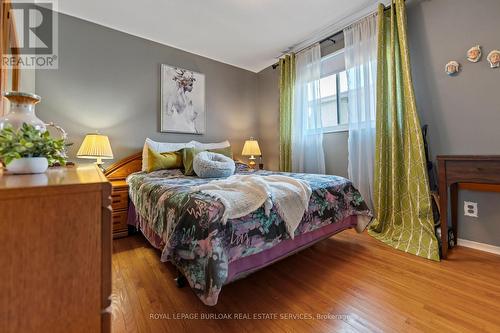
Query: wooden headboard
x=121, y=169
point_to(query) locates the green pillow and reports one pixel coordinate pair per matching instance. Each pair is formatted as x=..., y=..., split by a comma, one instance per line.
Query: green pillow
x=188, y=155
x=160, y=161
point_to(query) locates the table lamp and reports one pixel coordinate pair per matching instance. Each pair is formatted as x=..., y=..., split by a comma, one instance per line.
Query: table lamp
x=251, y=148
x=95, y=146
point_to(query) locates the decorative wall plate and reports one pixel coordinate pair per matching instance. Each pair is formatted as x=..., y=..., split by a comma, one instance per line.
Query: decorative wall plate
x=452, y=67
x=494, y=58
x=474, y=53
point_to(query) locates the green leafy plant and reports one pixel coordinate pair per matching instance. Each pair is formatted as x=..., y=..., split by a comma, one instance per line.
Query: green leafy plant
x=28, y=141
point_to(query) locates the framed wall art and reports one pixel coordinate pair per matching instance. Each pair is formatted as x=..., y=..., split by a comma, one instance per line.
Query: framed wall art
x=182, y=101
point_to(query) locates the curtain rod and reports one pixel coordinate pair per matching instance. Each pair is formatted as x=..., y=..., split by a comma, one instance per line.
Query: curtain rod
x=329, y=38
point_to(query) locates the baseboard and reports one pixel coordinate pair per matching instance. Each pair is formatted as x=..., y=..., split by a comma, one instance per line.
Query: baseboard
x=479, y=246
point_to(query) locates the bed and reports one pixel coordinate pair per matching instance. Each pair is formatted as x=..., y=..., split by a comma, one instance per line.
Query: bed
x=186, y=226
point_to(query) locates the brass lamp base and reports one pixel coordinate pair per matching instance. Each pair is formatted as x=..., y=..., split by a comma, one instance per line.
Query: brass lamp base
x=100, y=164
x=251, y=162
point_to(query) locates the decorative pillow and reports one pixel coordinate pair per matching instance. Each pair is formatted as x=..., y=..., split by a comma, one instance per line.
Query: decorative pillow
x=160, y=147
x=213, y=165
x=188, y=155
x=161, y=161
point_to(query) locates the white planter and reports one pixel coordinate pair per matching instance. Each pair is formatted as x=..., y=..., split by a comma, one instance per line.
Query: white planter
x=28, y=165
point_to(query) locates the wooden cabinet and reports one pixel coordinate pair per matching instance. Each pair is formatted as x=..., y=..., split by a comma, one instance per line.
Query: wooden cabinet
x=55, y=245
x=119, y=202
x=117, y=174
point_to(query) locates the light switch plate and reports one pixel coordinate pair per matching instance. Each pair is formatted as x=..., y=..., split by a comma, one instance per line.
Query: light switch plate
x=470, y=209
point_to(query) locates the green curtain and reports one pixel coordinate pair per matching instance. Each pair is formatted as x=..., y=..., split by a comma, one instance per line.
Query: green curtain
x=401, y=187
x=287, y=80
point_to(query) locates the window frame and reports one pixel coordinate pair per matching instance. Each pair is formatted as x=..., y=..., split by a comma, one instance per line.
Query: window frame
x=339, y=127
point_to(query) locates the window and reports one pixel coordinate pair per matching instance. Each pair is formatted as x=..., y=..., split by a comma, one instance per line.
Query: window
x=333, y=93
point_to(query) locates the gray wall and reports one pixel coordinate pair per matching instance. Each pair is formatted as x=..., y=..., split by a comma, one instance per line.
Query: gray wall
x=110, y=81
x=336, y=153
x=463, y=112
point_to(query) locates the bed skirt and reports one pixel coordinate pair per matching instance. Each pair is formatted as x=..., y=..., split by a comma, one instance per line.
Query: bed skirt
x=242, y=267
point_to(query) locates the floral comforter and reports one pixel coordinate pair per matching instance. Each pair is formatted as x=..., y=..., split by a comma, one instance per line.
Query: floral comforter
x=201, y=246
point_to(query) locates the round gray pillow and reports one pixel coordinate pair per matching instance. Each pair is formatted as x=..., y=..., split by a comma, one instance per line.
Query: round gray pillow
x=213, y=165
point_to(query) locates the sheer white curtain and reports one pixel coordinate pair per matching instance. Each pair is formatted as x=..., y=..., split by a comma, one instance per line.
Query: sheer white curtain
x=307, y=134
x=361, y=66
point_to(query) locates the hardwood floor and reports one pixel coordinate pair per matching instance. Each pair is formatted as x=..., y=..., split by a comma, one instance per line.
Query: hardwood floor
x=370, y=286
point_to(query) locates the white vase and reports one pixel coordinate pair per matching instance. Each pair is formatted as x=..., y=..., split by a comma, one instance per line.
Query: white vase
x=22, y=110
x=28, y=165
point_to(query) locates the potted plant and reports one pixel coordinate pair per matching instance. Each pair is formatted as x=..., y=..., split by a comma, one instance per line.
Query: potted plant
x=29, y=150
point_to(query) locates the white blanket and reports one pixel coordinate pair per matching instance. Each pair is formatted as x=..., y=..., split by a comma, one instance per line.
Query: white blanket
x=244, y=194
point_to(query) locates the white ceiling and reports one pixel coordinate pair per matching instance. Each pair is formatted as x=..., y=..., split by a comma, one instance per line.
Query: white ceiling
x=249, y=34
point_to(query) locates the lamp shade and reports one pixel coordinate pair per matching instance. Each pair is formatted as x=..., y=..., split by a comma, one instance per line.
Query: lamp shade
x=251, y=148
x=95, y=146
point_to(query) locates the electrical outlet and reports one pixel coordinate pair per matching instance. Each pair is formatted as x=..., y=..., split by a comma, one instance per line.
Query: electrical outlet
x=470, y=209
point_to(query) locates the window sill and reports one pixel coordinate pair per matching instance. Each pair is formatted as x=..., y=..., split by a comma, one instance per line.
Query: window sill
x=325, y=130
x=336, y=129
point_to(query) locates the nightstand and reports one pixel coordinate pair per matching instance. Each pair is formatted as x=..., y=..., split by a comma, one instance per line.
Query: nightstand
x=119, y=202
x=117, y=174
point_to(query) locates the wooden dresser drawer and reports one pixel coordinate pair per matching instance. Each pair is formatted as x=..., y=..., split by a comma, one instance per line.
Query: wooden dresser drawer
x=119, y=203
x=119, y=219
x=119, y=199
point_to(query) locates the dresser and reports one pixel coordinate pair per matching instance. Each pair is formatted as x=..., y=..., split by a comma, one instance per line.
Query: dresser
x=55, y=245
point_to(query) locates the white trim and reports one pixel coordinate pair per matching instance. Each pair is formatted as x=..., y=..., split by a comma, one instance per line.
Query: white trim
x=364, y=10
x=479, y=246
x=333, y=54
x=336, y=129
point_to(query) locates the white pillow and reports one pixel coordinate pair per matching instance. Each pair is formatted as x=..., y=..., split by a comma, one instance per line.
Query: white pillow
x=211, y=145
x=161, y=147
